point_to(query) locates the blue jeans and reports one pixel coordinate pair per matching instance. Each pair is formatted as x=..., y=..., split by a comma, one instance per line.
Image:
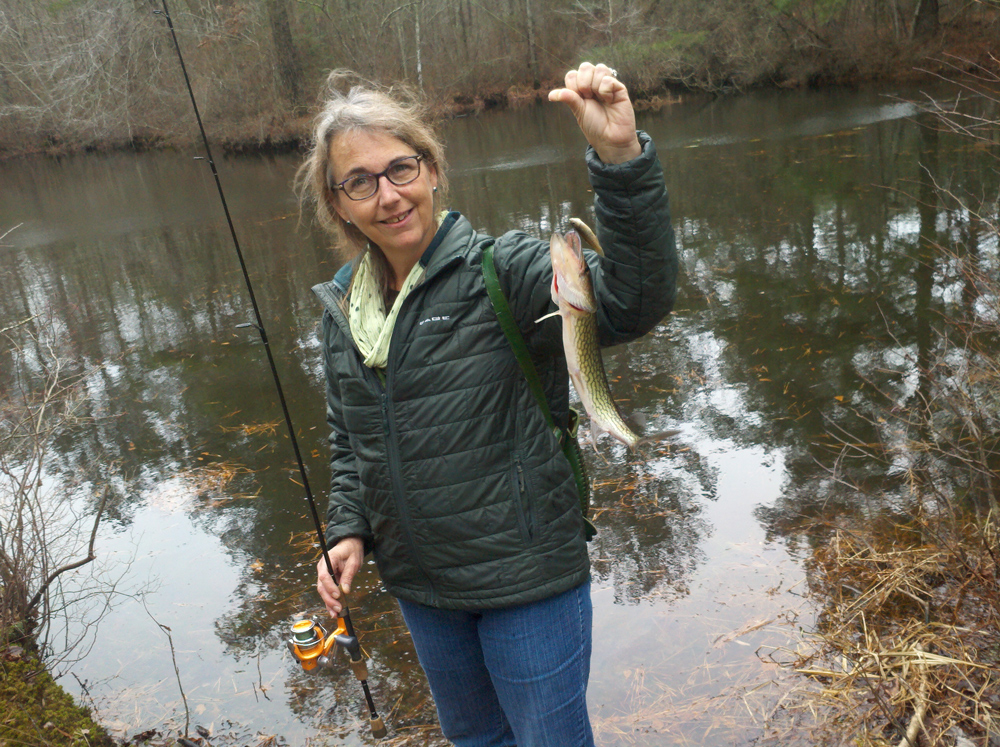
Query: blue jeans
x=510, y=676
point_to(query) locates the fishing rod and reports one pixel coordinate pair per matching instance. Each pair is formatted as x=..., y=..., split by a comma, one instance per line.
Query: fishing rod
x=309, y=644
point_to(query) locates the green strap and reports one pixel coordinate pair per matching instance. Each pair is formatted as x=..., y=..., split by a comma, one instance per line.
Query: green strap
x=570, y=446
x=513, y=333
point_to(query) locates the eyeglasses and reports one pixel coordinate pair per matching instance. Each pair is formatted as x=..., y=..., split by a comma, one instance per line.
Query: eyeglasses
x=362, y=186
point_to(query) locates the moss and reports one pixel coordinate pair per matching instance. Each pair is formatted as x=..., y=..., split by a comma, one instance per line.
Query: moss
x=36, y=711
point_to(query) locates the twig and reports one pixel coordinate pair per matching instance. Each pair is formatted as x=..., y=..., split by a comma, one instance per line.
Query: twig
x=260, y=679
x=917, y=722
x=177, y=671
x=9, y=231
x=393, y=12
x=15, y=325
x=75, y=564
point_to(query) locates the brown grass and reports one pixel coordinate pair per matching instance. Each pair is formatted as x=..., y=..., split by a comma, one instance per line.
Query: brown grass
x=908, y=646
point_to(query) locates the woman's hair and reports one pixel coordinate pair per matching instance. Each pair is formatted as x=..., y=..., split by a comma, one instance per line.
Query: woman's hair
x=349, y=103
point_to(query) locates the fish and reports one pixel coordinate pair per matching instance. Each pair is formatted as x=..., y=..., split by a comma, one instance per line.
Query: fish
x=573, y=295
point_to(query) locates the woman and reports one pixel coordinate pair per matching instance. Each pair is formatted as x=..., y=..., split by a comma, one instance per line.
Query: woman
x=443, y=466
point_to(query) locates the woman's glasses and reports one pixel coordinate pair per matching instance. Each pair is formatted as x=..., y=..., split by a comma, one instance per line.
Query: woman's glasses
x=362, y=186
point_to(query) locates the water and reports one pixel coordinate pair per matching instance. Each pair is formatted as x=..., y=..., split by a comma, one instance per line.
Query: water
x=803, y=220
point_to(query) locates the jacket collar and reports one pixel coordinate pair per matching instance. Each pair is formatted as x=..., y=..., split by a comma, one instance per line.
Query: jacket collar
x=451, y=242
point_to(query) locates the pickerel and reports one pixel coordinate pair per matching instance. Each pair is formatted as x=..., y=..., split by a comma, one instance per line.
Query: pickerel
x=573, y=293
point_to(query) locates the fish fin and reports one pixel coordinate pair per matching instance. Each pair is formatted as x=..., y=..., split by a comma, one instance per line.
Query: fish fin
x=595, y=431
x=543, y=318
x=654, y=437
x=637, y=421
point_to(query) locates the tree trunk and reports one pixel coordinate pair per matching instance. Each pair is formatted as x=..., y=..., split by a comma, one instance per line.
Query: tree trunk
x=402, y=50
x=286, y=54
x=464, y=25
x=536, y=80
x=925, y=20
x=420, y=63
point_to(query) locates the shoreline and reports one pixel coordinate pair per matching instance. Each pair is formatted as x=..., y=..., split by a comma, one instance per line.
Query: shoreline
x=287, y=132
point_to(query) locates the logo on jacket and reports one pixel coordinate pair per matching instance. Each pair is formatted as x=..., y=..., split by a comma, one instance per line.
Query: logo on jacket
x=433, y=319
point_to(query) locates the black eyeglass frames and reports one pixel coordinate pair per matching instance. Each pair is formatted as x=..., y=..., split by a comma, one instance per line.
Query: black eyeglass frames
x=362, y=186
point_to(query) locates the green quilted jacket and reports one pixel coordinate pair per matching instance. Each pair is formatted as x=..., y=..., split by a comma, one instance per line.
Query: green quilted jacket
x=446, y=469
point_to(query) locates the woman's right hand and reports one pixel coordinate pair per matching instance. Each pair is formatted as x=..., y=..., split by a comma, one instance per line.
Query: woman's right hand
x=345, y=557
x=602, y=108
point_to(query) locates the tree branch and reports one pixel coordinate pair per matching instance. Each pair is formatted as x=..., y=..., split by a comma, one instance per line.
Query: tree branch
x=802, y=24
x=393, y=12
x=75, y=564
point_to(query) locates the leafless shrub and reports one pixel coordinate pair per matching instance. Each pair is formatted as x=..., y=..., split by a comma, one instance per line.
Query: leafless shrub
x=84, y=69
x=103, y=72
x=48, y=524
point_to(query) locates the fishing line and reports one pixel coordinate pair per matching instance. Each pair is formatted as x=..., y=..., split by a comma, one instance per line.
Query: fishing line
x=344, y=635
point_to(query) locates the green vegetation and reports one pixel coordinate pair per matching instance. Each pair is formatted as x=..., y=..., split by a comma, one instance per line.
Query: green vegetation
x=35, y=711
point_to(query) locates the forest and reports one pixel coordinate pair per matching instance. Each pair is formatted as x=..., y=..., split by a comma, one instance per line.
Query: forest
x=101, y=74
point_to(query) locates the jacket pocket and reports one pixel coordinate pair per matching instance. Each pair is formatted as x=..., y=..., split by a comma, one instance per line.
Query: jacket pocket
x=520, y=494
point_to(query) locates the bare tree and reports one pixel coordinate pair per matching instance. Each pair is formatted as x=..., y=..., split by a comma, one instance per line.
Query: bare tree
x=285, y=50
x=926, y=21
x=100, y=71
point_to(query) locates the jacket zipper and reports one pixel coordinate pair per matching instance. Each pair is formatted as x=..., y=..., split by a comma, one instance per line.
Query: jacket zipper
x=384, y=388
x=523, y=511
x=395, y=463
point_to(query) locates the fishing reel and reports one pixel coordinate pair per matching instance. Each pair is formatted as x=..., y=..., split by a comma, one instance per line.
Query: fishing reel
x=313, y=647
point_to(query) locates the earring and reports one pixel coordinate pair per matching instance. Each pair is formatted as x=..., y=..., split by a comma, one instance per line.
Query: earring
x=348, y=222
x=435, y=189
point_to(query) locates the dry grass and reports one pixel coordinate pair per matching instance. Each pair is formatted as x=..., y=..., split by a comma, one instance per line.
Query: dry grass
x=211, y=483
x=908, y=647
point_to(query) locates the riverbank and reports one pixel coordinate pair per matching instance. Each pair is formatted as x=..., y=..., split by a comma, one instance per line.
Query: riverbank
x=36, y=711
x=908, y=641
x=655, y=79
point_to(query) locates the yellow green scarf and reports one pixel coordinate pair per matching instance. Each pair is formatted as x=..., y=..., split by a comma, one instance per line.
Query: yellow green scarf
x=371, y=326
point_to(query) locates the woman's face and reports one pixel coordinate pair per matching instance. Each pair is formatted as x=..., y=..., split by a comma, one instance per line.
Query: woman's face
x=400, y=220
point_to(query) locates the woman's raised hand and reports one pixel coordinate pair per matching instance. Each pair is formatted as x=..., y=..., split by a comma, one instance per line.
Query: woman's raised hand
x=602, y=108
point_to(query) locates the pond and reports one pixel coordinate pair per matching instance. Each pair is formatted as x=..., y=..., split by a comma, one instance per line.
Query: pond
x=803, y=221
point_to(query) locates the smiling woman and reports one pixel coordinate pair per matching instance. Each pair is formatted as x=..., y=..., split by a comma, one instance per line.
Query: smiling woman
x=360, y=132
x=444, y=466
x=397, y=217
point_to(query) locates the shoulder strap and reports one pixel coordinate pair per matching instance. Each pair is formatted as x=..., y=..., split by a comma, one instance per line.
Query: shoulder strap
x=570, y=446
x=513, y=333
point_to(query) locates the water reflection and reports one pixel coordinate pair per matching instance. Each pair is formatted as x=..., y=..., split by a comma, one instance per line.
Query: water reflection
x=808, y=228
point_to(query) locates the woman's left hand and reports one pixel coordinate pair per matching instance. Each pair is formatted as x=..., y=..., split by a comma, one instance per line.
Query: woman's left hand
x=602, y=108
